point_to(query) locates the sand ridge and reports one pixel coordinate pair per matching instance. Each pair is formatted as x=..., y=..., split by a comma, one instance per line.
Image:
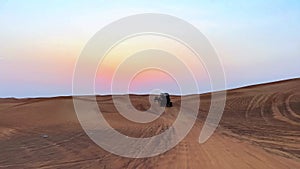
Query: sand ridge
x=260, y=128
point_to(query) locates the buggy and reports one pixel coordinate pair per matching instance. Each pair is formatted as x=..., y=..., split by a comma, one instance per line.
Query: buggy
x=164, y=100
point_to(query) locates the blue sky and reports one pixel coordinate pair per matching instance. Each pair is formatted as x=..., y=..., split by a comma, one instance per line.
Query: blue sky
x=257, y=41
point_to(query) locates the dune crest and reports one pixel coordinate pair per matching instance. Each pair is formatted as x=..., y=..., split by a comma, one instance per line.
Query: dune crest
x=260, y=128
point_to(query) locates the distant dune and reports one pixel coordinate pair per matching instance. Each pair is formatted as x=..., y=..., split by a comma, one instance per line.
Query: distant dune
x=260, y=129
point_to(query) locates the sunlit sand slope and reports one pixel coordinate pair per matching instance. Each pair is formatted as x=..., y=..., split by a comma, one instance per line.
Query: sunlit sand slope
x=260, y=128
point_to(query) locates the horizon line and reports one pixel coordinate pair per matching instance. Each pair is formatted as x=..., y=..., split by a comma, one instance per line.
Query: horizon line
x=140, y=94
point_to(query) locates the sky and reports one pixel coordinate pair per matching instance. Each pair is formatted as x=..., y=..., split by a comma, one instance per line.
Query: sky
x=257, y=41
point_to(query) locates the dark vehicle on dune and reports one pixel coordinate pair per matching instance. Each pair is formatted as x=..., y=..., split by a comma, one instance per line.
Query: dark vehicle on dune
x=164, y=100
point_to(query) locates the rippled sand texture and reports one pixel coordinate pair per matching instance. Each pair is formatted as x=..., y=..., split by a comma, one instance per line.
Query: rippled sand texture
x=260, y=128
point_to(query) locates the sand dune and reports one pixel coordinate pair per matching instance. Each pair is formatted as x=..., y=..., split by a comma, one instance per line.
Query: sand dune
x=260, y=128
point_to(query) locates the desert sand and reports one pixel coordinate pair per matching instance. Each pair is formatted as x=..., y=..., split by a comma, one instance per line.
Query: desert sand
x=260, y=129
